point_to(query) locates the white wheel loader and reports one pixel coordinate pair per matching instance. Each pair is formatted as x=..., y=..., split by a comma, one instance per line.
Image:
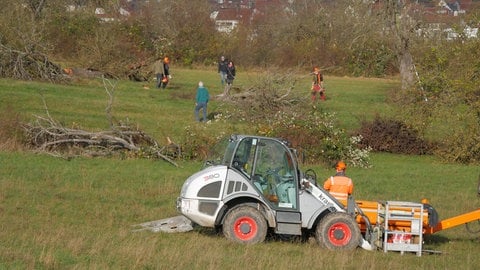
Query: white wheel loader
x=251, y=185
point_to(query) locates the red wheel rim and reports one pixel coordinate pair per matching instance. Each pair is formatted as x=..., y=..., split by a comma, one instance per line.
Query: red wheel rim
x=339, y=234
x=245, y=228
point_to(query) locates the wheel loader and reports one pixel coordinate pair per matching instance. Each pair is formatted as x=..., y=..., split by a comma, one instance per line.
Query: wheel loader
x=252, y=185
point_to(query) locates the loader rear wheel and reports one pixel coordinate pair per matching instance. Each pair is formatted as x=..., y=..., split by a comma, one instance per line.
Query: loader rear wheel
x=245, y=225
x=338, y=231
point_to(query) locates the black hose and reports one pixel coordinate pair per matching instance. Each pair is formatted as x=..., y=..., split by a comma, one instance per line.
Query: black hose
x=470, y=230
x=478, y=187
x=311, y=176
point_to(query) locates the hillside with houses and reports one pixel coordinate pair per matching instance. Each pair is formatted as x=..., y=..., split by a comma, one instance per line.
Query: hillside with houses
x=437, y=15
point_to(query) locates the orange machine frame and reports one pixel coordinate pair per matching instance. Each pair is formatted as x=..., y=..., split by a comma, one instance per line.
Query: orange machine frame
x=370, y=209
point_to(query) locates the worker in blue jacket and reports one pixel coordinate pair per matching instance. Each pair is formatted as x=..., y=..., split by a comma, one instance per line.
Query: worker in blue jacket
x=201, y=101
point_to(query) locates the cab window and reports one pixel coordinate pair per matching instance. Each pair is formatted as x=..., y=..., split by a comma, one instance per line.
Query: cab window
x=274, y=174
x=244, y=156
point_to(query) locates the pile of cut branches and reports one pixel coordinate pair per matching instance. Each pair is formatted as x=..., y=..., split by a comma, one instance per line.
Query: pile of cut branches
x=270, y=93
x=28, y=65
x=45, y=134
x=48, y=135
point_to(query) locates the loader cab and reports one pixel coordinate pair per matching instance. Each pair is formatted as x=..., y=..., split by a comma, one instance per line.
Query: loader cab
x=268, y=164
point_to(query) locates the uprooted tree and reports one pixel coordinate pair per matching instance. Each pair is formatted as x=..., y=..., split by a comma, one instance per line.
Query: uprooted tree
x=46, y=134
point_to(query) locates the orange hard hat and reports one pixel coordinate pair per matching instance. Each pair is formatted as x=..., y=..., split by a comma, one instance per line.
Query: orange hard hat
x=165, y=79
x=166, y=60
x=316, y=69
x=340, y=165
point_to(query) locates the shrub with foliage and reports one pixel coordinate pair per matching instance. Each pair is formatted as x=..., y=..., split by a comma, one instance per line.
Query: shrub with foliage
x=316, y=137
x=464, y=147
x=372, y=59
x=313, y=134
x=200, y=137
x=197, y=141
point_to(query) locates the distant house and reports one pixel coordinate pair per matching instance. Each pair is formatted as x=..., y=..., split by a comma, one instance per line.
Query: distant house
x=124, y=9
x=440, y=18
x=228, y=19
x=229, y=14
x=452, y=8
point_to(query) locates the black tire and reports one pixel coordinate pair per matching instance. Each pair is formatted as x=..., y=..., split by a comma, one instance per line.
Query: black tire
x=338, y=231
x=245, y=225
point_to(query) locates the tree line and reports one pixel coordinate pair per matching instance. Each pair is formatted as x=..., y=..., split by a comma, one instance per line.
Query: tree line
x=355, y=38
x=343, y=37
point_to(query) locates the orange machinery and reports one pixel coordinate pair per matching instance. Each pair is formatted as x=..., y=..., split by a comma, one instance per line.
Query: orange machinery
x=431, y=224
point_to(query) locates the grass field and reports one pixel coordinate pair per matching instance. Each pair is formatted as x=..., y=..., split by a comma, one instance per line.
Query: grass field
x=77, y=214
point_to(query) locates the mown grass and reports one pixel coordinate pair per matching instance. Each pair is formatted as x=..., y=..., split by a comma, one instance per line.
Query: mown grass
x=77, y=214
x=166, y=113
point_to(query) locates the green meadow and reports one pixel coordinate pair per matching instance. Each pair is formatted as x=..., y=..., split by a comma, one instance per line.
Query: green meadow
x=78, y=213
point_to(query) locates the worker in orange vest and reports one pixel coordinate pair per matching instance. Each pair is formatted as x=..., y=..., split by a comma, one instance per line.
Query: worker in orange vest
x=340, y=186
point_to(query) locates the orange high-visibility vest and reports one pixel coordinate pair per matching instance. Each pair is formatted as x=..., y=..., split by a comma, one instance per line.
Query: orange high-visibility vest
x=339, y=186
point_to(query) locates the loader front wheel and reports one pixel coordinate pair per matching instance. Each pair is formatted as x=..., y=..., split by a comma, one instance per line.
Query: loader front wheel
x=338, y=231
x=245, y=225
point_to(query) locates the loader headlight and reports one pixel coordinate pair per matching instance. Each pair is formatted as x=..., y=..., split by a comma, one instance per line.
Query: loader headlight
x=182, y=204
x=185, y=205
x=179, y=204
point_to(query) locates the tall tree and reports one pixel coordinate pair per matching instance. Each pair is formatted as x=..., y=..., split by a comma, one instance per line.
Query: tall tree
x=402, y=25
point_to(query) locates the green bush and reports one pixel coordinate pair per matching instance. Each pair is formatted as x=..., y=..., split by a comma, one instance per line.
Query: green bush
x=372, y=59
x=461, y=146
x=198, y=138
x=315, y=135
x=196, y=142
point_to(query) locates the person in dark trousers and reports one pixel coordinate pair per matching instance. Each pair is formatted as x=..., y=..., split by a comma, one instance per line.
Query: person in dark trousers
x=166, y=75
x=222, y=69
x=201, y=102
x=230, y=78
x=162, y=73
